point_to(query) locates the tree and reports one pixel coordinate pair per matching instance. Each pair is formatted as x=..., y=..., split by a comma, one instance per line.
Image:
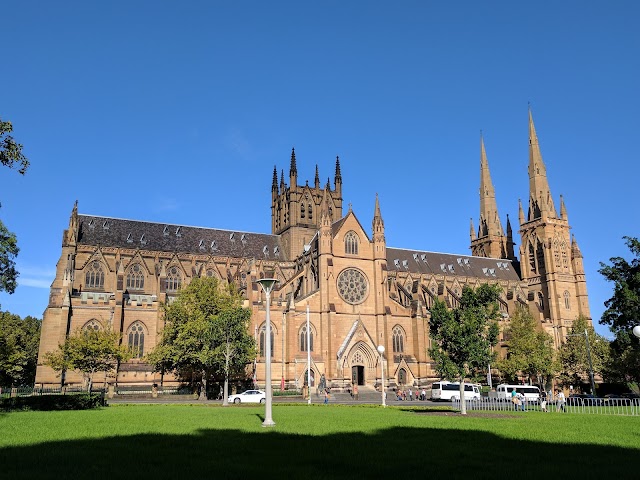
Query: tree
x=574, y=356
x=19, y=341
x=205, y=335
x=89, y=351
x=10, y=156
x=235, y=347
x=11, y=152
x=8, y=252
x=462, y=338
x=623, y=313
x=531, y=350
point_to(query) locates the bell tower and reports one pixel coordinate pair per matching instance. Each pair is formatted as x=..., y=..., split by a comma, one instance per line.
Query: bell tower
x=551, y=261
x=296, y=209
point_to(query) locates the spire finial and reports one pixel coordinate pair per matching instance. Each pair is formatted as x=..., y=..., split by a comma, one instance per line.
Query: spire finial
x=274, y=184
x=317, y=179
x=293, y=171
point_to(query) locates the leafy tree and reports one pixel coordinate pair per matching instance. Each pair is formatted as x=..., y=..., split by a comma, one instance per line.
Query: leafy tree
x=10, y=156
x=530, y=349
x=89, y=351
x=19, y=341
x=8, y=252
x=205, y=335
x=623, y=313
x=11, y=152
x=574, y=358
x=462, y=338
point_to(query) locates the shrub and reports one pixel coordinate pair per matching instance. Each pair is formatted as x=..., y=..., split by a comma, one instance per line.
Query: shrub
x=83, y=401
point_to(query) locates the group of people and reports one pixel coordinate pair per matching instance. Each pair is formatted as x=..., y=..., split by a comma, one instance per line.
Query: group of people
x=409, y=394
x=520, y=401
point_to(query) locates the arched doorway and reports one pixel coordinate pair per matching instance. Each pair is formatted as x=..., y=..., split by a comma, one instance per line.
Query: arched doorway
x=402, y=377
x=362, y=363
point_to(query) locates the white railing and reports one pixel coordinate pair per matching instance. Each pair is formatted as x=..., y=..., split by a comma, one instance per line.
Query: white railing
x=597, y=406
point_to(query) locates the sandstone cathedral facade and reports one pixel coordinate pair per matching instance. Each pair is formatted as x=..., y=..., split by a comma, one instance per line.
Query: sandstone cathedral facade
x=116, y=274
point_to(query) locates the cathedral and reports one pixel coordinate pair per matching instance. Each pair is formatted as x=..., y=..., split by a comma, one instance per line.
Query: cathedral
x=360, y=294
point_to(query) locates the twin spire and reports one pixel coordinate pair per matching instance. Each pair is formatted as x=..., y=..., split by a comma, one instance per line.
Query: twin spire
x=540, y=199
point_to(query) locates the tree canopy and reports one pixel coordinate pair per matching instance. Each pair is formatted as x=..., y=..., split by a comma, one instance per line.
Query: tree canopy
x=11, y=152
x=206, y=334
x=19, y=341
x=462, y=337
x=573, y=354
x=10, y=156
x=531, y=350
x=623, y=313
x=89, y=351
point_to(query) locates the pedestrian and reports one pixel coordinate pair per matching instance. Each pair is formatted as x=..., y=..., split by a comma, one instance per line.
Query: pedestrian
x=514, y=399
x=523, y=401
x=543, y=401
x=355, y=391
x=423, y=395
x=560, y=399
x=410, y=394
x=326, y=396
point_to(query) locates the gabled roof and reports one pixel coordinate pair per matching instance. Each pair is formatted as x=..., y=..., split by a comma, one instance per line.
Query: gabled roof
x=416, y=261
x=337, y=225
x=115, y=232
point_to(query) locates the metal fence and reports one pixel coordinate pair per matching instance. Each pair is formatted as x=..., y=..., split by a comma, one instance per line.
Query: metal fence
x=7, y=392
x=597, y=406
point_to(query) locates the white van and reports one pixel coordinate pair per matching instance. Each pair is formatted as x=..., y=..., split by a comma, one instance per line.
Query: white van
x=531, y=393
x=447, y=391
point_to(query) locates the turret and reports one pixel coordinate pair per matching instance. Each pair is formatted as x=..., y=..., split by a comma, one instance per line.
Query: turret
x=338, y=178
x=293, y=170
x=378, y=232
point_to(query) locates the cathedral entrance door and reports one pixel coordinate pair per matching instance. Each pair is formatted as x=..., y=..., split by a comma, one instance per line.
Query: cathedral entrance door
x=357, y=375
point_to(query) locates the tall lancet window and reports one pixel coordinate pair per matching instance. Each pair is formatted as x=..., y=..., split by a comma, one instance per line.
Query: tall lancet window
x=351, y=243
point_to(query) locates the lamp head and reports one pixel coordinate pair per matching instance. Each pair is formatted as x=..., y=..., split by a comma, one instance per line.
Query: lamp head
x=381, y=349
x=267, y=284
x=636, y=331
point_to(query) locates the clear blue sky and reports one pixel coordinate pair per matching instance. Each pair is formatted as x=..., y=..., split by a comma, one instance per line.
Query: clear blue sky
x=178, y=111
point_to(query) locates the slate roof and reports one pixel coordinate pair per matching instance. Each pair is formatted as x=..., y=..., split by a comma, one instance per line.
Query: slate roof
x=115, y=232
x=416, y=261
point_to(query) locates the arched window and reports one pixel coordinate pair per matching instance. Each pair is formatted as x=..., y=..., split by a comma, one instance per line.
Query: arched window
x=302, y=210
x=567, y=303
x=174, y=279
x=136, y=339
x=135, y=278
x=532, y=259
x=92, y=325
x=263, y=338
x=398, y=340
x=351, y=243
x=402, y=377
x=541, y=300
x=303, y=339
x=310, y=212
x=94, y=278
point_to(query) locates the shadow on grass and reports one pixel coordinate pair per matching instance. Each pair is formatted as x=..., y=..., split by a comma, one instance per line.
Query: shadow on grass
x=230, y=454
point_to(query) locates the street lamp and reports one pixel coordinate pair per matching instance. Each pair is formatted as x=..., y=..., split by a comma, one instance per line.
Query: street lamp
x=267, y=285
x=381, y=352
x=308, y=359
x=636, y=331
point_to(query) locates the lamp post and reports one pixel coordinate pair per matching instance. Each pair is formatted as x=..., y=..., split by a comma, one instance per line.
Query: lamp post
x=267, y=285
x=308, y=359
x=381, y=352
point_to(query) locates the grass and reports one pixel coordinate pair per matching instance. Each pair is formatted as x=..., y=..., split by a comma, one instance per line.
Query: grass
x=181, y=441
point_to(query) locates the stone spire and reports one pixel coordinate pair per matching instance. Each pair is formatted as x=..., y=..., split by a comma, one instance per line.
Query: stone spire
x=472, y=230
x=520, y=212
x=338, y=177
x=274, y=184
x=293, y=171
x=489, y=219
x=575, y=249
x=71, y=234
x=282, y=184
x=317, y=179
x=378, y=222
x=540, y=200
x=563, y=210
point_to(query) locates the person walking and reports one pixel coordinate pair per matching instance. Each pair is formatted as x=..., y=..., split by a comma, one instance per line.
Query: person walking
x=560, y=399
x=543, y=401
x=355, y=391
x=326, y=396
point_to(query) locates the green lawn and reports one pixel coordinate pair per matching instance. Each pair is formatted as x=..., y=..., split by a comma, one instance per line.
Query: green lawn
x=181, y=441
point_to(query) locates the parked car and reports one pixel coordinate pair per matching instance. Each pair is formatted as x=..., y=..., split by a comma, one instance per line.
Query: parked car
x=250, y=396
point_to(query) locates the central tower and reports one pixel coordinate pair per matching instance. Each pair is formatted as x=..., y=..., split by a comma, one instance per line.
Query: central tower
x=295, y=209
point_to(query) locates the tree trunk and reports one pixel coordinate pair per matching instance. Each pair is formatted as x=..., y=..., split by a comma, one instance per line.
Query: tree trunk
x=90, y=383
x=463, y=404
x=203, y=390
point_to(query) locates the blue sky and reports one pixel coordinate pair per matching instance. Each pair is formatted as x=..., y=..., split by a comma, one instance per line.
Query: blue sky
x=178, y=111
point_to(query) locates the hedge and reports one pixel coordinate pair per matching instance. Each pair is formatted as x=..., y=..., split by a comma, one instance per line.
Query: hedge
x=82, y=401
